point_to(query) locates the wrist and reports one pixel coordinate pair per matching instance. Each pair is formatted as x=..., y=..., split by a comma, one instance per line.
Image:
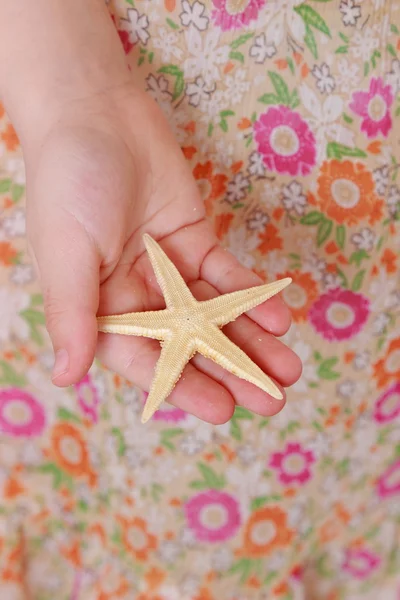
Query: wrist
x=71, y=55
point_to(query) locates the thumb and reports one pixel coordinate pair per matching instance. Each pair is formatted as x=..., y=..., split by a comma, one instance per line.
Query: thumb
x=68, y=263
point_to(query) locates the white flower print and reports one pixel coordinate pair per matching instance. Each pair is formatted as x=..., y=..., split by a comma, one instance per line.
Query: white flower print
x=285, y=17
x=206, y=54
x=236, y=86
x=325, y=81
x=261, y=49
x=347, y=71
x=256, y=164
x=361, y=360
x=237, y=188
x=363, y=43
x=346, y=388
x=331, y=280
x=212, y=107
x=364, y=239
x=314, y=265
x=351, y=12
x=257, y=220
x=22, y=274
x=249, y=482
x=222, y=558
x=136, y=25
x=380, y=323
x=14, y=167
x=393, y=200
x=393, y=78
x=274, y=263
x=309, y=373
x=381, y=178
x=242, y=246
x=323, y=120
x=271, y=194
x=193, y=14
x=167, y=44
x=158, y=88
x=14, y=226
x=12, y=303
x=246, y=454
x=293, y=198
x=198, y=91
x=169, y=551
x=191, y=445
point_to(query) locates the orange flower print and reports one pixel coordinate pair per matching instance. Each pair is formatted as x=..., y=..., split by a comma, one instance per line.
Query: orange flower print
x=270, y=240
x=10, y=139
x=221, y=224
x=69, y=450
x=136, y=539
x=8, y=254
x=211, y=185
x=300, y=295
x=265, y=531
x=387, y=369
x=346, y=193
x=111, y=584
x=389, y=259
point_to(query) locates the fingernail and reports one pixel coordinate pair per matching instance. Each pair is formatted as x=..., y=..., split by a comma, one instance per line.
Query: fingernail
x=61, y=364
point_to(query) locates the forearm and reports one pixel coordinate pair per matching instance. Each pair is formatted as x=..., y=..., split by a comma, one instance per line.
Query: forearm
x=53, y=52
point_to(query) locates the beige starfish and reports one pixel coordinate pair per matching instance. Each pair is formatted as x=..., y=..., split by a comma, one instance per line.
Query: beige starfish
x=187, y=326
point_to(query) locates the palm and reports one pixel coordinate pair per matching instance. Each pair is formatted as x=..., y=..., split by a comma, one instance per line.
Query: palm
x=152, y=190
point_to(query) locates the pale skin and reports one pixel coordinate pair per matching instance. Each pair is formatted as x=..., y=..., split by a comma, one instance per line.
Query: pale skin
x=102, y=169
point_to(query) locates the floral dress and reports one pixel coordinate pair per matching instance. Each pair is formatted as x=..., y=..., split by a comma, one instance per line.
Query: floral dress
x=288, y=112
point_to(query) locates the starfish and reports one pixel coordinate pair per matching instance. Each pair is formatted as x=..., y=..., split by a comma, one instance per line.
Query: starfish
x=187, y=326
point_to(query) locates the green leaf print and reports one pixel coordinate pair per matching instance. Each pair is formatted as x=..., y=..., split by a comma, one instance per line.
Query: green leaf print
x=325, y=369
x=243, y=413
x=244, y=566
x=342, y=50
x=312, y=218
x=178, y=87
x=358, y=256
x=338, y=151
x=281, y=89
x=312, y=18
x=234, y=430
x=17, y=192
x=172, y=24
x=9, y=376
x=324, y=231
x=5, y=186
x=309, y=40
x=236, y=56
x=167, y=435
x=340, y=236
x=33, y=317
x=211, y=480
x=241, y=40
x=171, y=70
x=391, y=50
x=258, y=502
x=120, y=440
x=66, y=415
x=269, y=99
x=358, y=281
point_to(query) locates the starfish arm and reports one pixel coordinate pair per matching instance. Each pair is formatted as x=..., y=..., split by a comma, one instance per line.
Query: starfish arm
x=153, y=324
x=174, y=289
x=213, y=344
x=175, y=354
x=224, y=309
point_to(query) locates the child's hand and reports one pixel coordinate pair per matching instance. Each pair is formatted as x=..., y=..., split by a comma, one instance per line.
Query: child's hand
x=104, y=175
x=103, y=168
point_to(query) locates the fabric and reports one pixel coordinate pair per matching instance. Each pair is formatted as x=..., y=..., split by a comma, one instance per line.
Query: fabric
x=288, y=113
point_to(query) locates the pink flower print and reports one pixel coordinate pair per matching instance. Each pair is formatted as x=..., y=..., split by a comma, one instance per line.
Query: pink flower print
x=235, y=14
x=213, y=516
x=389, y=483
x=293, y=465
x=88, y=398
x=374, y=108
x=285, y=141
x=387, y=407
x=360, y=562
x=339, y=314
x=21, y=415
x=167, y=412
